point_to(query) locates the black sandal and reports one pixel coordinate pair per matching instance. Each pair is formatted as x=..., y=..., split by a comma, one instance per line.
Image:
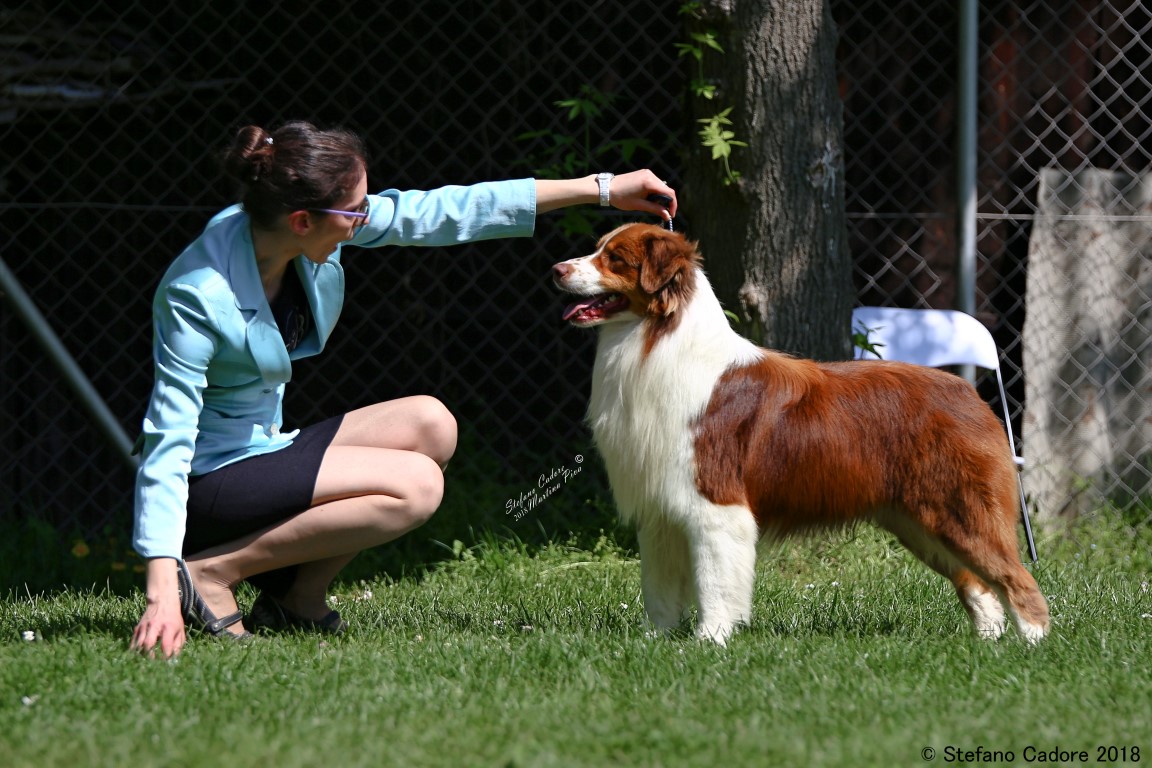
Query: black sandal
x=198, y=614
x=270, y=615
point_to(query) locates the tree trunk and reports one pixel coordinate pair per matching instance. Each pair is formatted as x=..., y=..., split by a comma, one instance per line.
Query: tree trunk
x=774, y=241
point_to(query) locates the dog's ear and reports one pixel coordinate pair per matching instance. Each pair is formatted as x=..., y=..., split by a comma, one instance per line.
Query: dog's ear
x=666, y=255
x=667, y=273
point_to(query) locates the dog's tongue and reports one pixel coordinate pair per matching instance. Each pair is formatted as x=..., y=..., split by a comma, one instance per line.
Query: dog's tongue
x=576, y=308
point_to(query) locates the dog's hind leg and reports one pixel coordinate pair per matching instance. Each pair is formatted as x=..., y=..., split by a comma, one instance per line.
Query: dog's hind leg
x=979, y=601
x=982, y=535
x=997, y=563
x=665, y=572
x=977, y=558
x=723, y=542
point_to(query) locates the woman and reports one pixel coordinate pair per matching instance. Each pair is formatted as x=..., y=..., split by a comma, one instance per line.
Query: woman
x=222, y=494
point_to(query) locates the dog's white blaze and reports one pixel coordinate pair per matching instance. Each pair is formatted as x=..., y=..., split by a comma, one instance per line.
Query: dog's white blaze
x=584, y=278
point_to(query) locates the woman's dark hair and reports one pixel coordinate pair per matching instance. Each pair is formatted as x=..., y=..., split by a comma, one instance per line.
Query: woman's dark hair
x=295, y=167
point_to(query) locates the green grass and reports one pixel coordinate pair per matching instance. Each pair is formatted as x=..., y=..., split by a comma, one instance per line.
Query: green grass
x=517, y=655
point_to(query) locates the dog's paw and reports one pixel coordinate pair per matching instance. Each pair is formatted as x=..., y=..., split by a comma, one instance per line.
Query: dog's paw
x=1033, y=633
x=715, y=633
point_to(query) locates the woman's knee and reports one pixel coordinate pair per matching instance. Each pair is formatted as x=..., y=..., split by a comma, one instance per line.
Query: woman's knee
x=425, y=491
x=436, y=428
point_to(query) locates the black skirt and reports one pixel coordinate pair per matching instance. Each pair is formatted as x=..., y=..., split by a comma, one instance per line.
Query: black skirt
x=257, y=492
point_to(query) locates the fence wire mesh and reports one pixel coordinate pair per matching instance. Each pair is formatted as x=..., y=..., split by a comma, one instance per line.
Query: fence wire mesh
x=110, y=114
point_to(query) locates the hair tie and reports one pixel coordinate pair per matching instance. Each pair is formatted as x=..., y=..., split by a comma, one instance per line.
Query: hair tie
x=268, y=140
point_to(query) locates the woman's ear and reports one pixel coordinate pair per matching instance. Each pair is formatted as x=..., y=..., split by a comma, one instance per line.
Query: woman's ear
x=300, y=223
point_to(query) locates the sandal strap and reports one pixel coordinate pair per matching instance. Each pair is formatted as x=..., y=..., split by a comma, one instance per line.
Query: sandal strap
x=196, y=611
x=217, y=627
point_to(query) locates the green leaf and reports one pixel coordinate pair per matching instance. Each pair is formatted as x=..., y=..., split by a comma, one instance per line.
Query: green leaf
x=708, y=39
x=687, y=49
x=704, y=90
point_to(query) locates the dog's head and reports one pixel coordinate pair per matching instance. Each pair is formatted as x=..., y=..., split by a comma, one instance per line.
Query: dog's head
x=638, y=271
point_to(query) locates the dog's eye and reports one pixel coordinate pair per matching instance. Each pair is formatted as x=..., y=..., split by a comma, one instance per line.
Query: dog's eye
x=615, y=258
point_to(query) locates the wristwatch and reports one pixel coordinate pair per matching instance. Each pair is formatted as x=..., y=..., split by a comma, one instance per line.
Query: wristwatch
x=605, y=182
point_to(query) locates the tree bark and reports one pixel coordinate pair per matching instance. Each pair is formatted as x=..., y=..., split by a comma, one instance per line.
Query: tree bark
x=774, y=241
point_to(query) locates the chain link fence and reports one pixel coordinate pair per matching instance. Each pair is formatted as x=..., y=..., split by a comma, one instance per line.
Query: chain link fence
x=110, y=114
x=1062, y=85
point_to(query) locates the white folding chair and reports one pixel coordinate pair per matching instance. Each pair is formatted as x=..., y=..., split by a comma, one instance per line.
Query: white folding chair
x=935, y=338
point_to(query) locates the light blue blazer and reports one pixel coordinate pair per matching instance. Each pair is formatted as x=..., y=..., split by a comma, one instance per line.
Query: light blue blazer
x=220, y=362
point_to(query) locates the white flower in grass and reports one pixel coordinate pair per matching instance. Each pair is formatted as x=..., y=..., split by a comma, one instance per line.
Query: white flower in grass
x=29, y=700
x=367, y=595
x=623, y=606
x=28, y=635
x=497, y=623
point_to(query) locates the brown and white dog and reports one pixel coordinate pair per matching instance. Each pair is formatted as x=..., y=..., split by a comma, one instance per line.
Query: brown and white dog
x=712, y=443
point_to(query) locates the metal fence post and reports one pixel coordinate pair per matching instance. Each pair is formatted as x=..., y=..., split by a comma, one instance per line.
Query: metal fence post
x=966, y=147
x=59, y=355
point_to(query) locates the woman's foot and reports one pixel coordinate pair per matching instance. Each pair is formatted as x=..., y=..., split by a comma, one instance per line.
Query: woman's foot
x=277, y=615
x=217, y=596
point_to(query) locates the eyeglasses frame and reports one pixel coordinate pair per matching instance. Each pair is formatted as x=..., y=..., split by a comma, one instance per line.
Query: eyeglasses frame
x=362, y=213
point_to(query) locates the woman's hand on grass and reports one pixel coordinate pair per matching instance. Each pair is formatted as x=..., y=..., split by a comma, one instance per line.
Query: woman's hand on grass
x=163, y=622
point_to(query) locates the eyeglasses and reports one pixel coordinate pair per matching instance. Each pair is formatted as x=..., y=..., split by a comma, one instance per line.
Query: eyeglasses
x=360, y=215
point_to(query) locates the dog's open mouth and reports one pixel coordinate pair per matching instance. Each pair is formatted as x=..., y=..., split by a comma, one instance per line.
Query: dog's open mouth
x=591, y=309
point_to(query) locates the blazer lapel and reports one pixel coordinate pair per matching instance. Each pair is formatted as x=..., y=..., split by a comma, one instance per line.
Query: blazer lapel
x=265, y=344
x=324, y=287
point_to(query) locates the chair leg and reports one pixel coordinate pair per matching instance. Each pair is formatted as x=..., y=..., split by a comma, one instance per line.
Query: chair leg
x=1025, y=519
x=1019, y=461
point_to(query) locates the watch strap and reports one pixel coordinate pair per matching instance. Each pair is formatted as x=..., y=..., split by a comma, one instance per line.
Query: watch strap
x=604, y=181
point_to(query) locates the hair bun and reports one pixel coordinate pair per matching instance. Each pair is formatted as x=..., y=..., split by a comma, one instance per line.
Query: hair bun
x=249, y=158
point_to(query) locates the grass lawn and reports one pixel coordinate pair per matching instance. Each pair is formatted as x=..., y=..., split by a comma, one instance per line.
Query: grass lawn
x=506, y=656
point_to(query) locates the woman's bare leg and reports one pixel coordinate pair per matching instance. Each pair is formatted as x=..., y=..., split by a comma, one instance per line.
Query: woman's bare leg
x=380, y=478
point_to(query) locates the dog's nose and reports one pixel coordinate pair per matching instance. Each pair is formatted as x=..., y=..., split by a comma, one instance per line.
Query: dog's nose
x=561, y=270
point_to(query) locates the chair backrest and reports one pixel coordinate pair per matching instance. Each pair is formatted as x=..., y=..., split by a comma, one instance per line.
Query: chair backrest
x=931, y=337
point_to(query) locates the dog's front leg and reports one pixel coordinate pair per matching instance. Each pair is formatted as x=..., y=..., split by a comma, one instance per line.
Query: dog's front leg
x=723, y=546
x=665, y=572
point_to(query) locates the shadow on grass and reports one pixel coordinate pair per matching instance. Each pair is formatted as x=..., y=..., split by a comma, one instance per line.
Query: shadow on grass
x=36, y=558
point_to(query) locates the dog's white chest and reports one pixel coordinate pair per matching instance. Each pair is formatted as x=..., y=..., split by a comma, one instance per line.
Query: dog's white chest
x=643, y=406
